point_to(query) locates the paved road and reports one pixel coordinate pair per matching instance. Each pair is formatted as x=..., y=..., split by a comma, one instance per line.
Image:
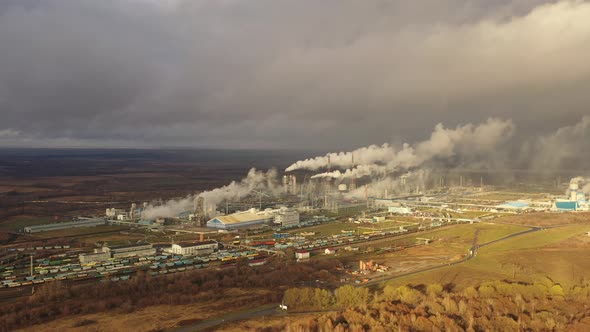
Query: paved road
x=265, y=310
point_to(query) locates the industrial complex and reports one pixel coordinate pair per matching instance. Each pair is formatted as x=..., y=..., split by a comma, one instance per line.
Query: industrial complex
x=306, y=219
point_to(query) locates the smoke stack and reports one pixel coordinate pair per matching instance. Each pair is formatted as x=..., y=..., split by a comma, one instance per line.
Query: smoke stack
x=285, y=183
x=353, y=180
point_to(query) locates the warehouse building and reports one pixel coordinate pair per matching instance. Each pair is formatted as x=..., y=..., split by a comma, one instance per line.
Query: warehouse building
x=287, y=218
x=130, y=250
x=302, y=255
x=97, y=256
x=65, y=225
x=243, y=219
x=198, y=248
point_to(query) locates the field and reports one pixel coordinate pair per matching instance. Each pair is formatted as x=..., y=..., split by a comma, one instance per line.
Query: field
x=447, y=245
x=559, y=253
x=21, y=221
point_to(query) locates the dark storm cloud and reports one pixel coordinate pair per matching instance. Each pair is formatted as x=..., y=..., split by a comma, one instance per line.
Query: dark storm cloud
x=267, y=73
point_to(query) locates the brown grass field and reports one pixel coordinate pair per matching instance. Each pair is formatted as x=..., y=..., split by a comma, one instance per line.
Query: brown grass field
x=548, y=219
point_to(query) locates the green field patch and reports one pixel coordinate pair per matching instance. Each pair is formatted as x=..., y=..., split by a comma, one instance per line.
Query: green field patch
x=464, y=234
x=537, y=239
x=525, y=258
x=490, y=232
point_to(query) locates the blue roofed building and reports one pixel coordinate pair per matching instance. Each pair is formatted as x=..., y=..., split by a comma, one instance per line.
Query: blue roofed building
x=565, y=206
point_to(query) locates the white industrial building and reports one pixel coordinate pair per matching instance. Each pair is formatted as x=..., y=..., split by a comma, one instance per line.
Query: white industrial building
x=575, y=199
x=198, y=248
x=117, y=214
x=130, y=250
x=97, y=256
x=575, y=193
x=65, y=225
x=302, y=255
x=287, y=218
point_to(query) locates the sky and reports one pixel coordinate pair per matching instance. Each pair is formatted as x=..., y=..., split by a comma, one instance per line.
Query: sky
x=286, y=74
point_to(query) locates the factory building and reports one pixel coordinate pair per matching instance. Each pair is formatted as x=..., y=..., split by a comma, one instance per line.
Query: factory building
x=287, y=218
x=302, y=255
x=96, y=256
x=565, y=206
x=130, y=250
x=575, y=193
x=121, y=214
x=198, y=248
x=249, y=218
x=65, y=225
x=112, y=212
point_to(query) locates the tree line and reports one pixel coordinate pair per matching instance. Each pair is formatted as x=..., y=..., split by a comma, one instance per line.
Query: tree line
x=490, y=306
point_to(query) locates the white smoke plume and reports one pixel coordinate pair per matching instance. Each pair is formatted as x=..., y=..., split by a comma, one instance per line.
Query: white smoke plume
x=553, y=151
x=357, y=172
x=583, y=184
x=388, y=186
x=255, y=181
x=363, y=156
x=266, y=182
x=169, y=209
x=467, y=143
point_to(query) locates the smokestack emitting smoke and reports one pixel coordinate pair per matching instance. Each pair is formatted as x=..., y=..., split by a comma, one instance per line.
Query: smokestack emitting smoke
x=392, y=185
x=580, y=183
x=255, y=180
x=465, y=145
x=465, y=142
x=468, y=146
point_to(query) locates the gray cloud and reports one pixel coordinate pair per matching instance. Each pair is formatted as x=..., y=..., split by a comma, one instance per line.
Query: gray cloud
x=324, y=74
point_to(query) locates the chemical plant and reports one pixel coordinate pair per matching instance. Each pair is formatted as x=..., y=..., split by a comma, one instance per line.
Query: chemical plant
x=314, y=216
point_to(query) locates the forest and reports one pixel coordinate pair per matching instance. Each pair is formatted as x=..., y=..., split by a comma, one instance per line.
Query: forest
x=490, y=306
